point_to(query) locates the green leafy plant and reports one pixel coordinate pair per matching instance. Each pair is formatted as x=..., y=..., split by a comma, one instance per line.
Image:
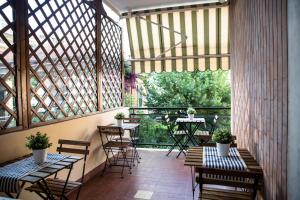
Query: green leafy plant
x=222, y=135
x=186, y=89
x=38, y=141
x=191, y=111
x=119, y=116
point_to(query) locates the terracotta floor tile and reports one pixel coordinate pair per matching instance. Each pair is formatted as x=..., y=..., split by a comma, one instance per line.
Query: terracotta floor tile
x=166, y=177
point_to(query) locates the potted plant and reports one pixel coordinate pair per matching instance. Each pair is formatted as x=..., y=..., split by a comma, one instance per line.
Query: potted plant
x=38, y=144
x=119, y=117
x=223, y=138
x=191, y=113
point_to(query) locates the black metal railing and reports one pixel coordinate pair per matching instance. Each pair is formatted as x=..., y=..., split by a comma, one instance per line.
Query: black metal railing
x=153, y=131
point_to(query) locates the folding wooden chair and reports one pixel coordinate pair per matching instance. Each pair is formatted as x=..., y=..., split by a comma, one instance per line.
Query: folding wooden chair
x=176, y=135
x=134, y=136
x=213, y=144
x=58, y=187
x=204, y=136
x=113, y=143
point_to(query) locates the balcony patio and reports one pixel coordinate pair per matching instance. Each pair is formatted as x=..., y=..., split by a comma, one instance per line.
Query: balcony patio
x=62, y=72
x=157, y=175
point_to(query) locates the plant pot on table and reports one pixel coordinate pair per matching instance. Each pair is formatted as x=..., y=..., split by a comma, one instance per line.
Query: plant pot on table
x=191, y=116
x=39, y=155
x=223, y=149
x=120, y=122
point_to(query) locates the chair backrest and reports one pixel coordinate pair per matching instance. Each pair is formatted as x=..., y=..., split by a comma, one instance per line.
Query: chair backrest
x=211, y=123
x=213, y=144
x=234, y=178
x=111, y=133
x=169, y=121
x=75, y=147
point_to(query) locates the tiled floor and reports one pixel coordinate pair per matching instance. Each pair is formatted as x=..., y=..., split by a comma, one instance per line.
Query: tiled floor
x=157, y=177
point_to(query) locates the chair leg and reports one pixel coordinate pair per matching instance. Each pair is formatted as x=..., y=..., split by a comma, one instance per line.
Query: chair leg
x=107, y=159
x=137, y=154
x=124, y=160
x=173, y=146
x=133, y=154
x=78, y=192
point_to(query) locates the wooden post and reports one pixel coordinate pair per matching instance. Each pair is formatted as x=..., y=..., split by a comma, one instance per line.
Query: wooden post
x=98, y=6
x=23, y=84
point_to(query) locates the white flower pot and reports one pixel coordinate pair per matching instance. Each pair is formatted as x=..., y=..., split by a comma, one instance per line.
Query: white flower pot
x=40, y=156
x=191, y=116
x=223, y=149
x=120, y=122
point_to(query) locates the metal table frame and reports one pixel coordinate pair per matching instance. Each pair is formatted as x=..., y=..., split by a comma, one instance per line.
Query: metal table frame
x=187, y=126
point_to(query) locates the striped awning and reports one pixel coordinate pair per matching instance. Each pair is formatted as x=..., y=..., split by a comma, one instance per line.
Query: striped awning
x=179, y=40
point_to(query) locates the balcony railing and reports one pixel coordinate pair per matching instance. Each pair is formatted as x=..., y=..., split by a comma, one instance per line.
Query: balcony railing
x=153, y=131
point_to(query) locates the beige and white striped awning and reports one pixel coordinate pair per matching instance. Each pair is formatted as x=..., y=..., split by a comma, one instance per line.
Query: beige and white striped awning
x=179, y=40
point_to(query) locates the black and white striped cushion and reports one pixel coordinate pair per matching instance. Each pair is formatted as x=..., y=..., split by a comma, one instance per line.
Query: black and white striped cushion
x=231, y=162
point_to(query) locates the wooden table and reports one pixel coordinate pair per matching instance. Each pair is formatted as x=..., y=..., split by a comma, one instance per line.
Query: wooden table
x=194, y=159
x=40, y=174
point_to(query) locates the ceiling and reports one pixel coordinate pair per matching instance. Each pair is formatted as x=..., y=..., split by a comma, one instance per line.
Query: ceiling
x=121, y=6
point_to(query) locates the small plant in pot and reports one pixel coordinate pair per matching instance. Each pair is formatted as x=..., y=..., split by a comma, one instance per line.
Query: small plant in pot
x=223, y=138
x=119, y=117
x=38, y=144
x=191, y=113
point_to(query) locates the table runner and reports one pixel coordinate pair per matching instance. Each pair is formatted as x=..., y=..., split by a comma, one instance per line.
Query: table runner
x=231, y=162
x=12, y=173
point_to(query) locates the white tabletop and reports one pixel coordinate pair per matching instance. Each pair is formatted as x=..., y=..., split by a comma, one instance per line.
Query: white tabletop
x=188, y=120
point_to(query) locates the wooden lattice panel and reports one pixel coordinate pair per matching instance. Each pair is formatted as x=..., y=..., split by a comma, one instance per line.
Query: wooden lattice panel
x=111, y=61
x=8, y=93
x=62, y=59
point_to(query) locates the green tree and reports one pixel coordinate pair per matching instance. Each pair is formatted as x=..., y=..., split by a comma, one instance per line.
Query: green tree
x=176, y=89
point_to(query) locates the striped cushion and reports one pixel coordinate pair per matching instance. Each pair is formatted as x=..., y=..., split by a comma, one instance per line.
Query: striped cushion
x=231, y=162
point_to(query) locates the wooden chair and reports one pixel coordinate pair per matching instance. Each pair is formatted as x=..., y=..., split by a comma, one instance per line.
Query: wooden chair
x=213, y=144
x=58, y=187
x=204, y=136
x=134, y=136
x=113, y=143
x=177, y=134
x=246, y=180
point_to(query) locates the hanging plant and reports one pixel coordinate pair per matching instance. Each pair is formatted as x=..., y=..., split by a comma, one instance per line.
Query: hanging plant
x=130, y=77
